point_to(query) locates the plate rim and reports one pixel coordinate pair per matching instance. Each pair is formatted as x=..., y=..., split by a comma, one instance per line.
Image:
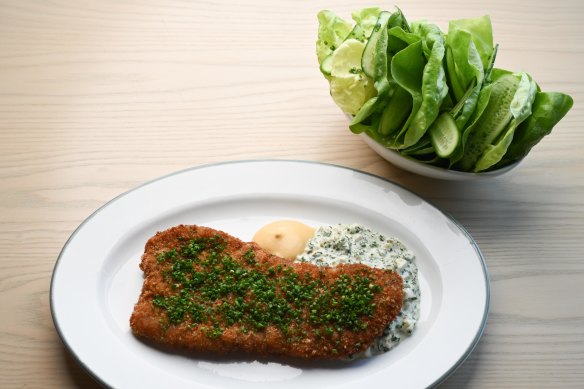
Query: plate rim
x=472, y=241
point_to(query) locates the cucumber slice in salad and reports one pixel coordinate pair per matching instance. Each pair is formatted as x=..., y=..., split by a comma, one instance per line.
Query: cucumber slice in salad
x=444, y=135
x=357, y=33
x=369, y=54
x=326, y=66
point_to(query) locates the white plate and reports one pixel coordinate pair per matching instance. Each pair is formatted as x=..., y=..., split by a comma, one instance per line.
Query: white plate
x=96, y=280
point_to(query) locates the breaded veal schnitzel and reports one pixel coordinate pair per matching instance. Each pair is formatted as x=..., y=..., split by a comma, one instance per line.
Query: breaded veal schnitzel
x=210, y=292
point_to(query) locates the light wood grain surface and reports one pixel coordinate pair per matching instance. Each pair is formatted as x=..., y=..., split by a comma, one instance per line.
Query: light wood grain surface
x=97, y=97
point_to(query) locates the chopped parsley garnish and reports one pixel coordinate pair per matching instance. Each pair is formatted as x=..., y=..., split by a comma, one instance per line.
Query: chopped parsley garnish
x=212, y=291
x=167, y=255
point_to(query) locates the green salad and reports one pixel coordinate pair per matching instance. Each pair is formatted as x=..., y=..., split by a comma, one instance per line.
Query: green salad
x=434, y=96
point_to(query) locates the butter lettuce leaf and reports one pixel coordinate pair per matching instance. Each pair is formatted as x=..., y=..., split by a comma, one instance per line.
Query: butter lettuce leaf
x=432, y=96
x=332, y=31
x=366, y=19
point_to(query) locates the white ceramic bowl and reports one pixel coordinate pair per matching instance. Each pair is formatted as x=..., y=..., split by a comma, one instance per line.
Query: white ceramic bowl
x=423, y=169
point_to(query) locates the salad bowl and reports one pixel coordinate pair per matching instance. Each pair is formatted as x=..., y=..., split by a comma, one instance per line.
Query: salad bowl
x=430, y=101
x=414, y=166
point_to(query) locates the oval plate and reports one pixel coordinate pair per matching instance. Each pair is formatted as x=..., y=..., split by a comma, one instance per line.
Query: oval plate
x=97, y=281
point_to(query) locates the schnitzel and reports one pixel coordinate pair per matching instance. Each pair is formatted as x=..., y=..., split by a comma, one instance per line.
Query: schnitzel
x=210, y=292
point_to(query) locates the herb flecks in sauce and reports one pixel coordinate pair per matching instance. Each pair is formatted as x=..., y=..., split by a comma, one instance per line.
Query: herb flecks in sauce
x=349, y=244
x=211, y=292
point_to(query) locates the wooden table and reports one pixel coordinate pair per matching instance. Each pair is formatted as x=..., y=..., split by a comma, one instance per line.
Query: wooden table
x=97, y=97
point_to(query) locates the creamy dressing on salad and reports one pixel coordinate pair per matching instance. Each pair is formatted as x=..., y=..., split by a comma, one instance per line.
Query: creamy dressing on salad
x=343, y=243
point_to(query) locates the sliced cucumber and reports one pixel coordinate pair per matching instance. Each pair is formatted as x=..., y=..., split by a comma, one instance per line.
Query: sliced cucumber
x=368, y=58
x=327, y=65
x=494, y=119
x=396, y=112
x=444, y=135
x=357, y=33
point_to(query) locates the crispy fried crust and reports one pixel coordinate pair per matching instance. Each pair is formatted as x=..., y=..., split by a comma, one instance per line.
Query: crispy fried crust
x=148, y=320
